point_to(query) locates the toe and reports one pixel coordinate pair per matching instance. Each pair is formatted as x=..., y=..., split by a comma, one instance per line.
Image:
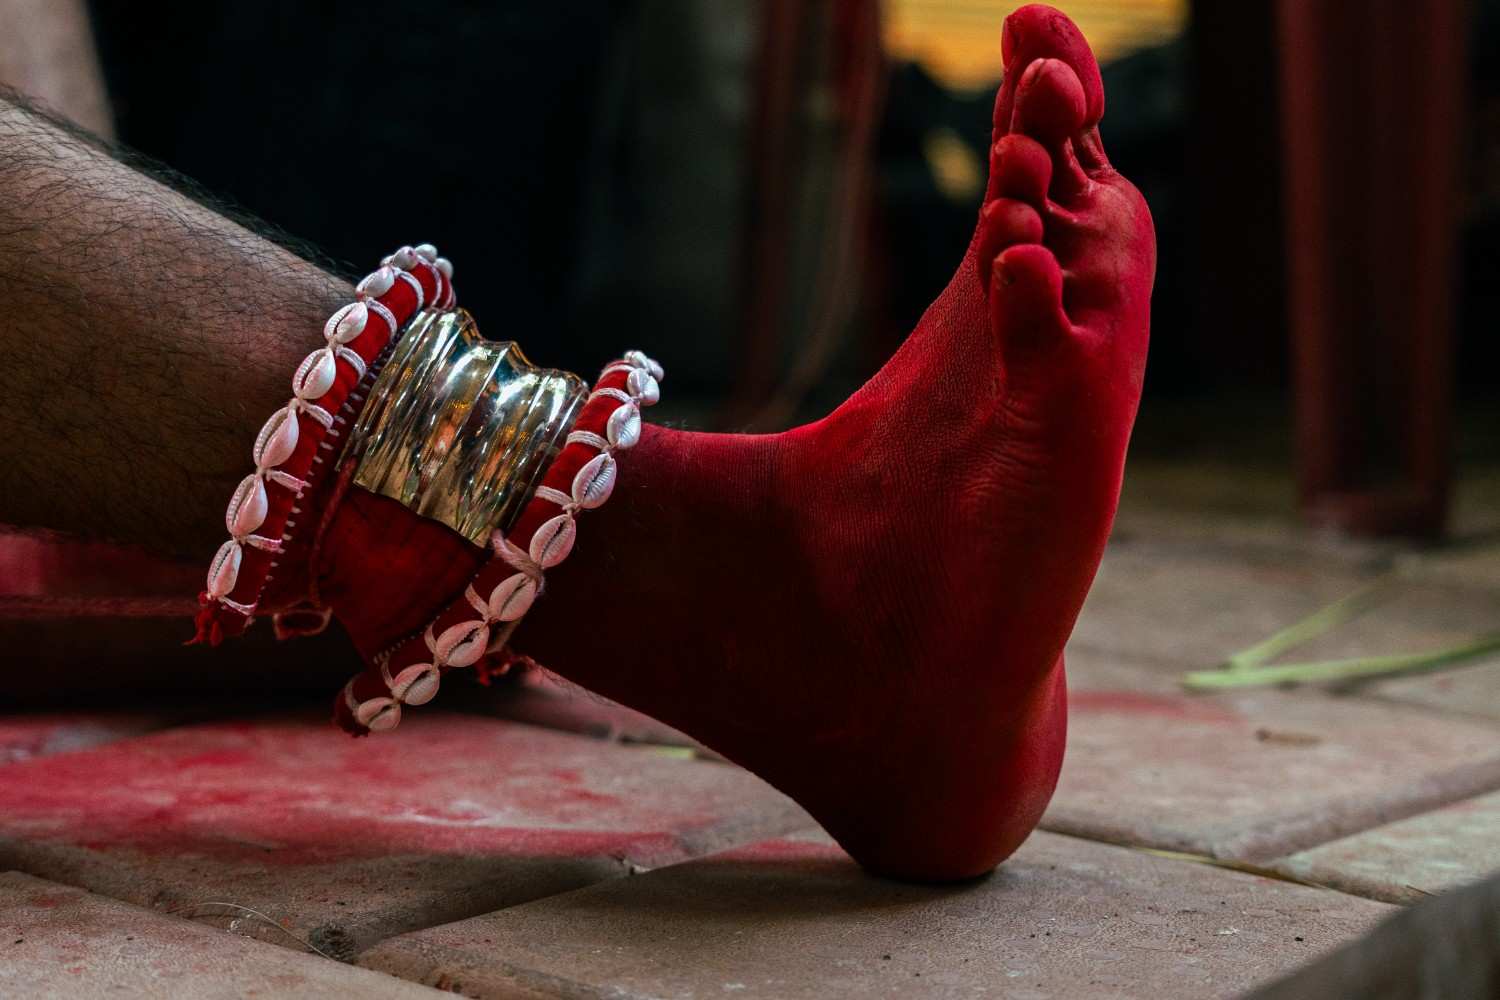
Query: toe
x=1051, y=107
x=1037, y=32
x=1050, y=102
x=1025, y=299
x=1020, y=167
x=1006, y=222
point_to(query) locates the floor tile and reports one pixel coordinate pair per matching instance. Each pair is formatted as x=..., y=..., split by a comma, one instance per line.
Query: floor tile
x=24, y=736
x=1257, y=774
x=1411, y=859
x=350, y=840
x=1191, y=607
x=543, y=699
x=794, y=918
x=57, y=941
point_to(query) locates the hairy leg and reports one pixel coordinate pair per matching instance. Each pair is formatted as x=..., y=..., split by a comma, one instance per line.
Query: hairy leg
x=143, y=336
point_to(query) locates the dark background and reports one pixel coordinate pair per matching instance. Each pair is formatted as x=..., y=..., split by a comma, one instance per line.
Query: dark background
x=602, y=176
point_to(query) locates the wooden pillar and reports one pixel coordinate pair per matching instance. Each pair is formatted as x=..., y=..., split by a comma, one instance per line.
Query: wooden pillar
x=1371, y=107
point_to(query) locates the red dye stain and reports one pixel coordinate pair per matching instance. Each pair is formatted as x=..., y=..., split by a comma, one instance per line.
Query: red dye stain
x=297, y=793
x=782, y=849
x=45, y=901
x=1161, y=706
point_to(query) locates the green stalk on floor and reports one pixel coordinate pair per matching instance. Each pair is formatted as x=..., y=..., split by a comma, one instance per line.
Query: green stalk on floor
x=1325, y=619
x=1355, y=668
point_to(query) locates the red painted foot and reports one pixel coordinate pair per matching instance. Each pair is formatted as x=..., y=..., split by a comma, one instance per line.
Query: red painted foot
x=870, y=611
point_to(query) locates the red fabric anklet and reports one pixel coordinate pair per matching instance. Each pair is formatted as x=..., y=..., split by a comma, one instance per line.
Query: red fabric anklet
x=292, y=450
x=475, y=627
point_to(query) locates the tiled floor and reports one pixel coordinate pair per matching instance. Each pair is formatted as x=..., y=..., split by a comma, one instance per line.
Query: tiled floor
x=546, y=845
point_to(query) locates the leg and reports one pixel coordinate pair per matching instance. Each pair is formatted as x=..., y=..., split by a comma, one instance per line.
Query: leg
x=869, y=611
x=143, y=337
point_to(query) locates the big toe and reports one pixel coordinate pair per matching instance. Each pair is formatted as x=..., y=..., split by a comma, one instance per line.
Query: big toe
x=1035, y=32
x=1052, y=93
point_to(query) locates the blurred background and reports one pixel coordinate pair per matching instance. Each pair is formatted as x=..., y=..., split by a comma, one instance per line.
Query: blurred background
x=765, y=194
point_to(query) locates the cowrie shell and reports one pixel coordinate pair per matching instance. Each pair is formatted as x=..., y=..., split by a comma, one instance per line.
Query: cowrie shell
x=511, y=598
x=642, y=385
x=248, y=507
x=379, y=715
x=405, y=258
x=376, y=283
x=346, y=324
x=623, y=429
x=553, y=541
x=641, y=360
x=426, y=251
x=463, y=644
x=276, y=440
x=444, y=265
x=416, y=685
x=595, y=481
x=315, y=375
x=224, y=571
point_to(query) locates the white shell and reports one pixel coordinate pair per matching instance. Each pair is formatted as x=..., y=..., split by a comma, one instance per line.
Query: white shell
x=595, y=481
x=224, y=571
x=379, y=715
x=511, y=598
x=346, y=324
x=426, y=251
x=642, y=385
x=444, y=265
x=248, y=507
x=416, y=685
x=641, y=360
x=276, y=440
x=553, y=541
x=405, y=258
x=463, y=644
x=377, y=282
x=623, y=428
x=315, y=375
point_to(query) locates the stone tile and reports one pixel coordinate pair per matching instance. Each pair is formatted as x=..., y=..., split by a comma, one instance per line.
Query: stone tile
x=1228, y=506
x=58, y=941
x=1092, y=669
x=1472, y=689
x=346, y=841
x=539, y=698
x=1407, y=861
x=795, y=918
x=1172, y=613
x=1190, y=607
x=1257, y=774
x=1411, y=615
x=23, y=737
x=1467, y=565
x=1450, y=599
